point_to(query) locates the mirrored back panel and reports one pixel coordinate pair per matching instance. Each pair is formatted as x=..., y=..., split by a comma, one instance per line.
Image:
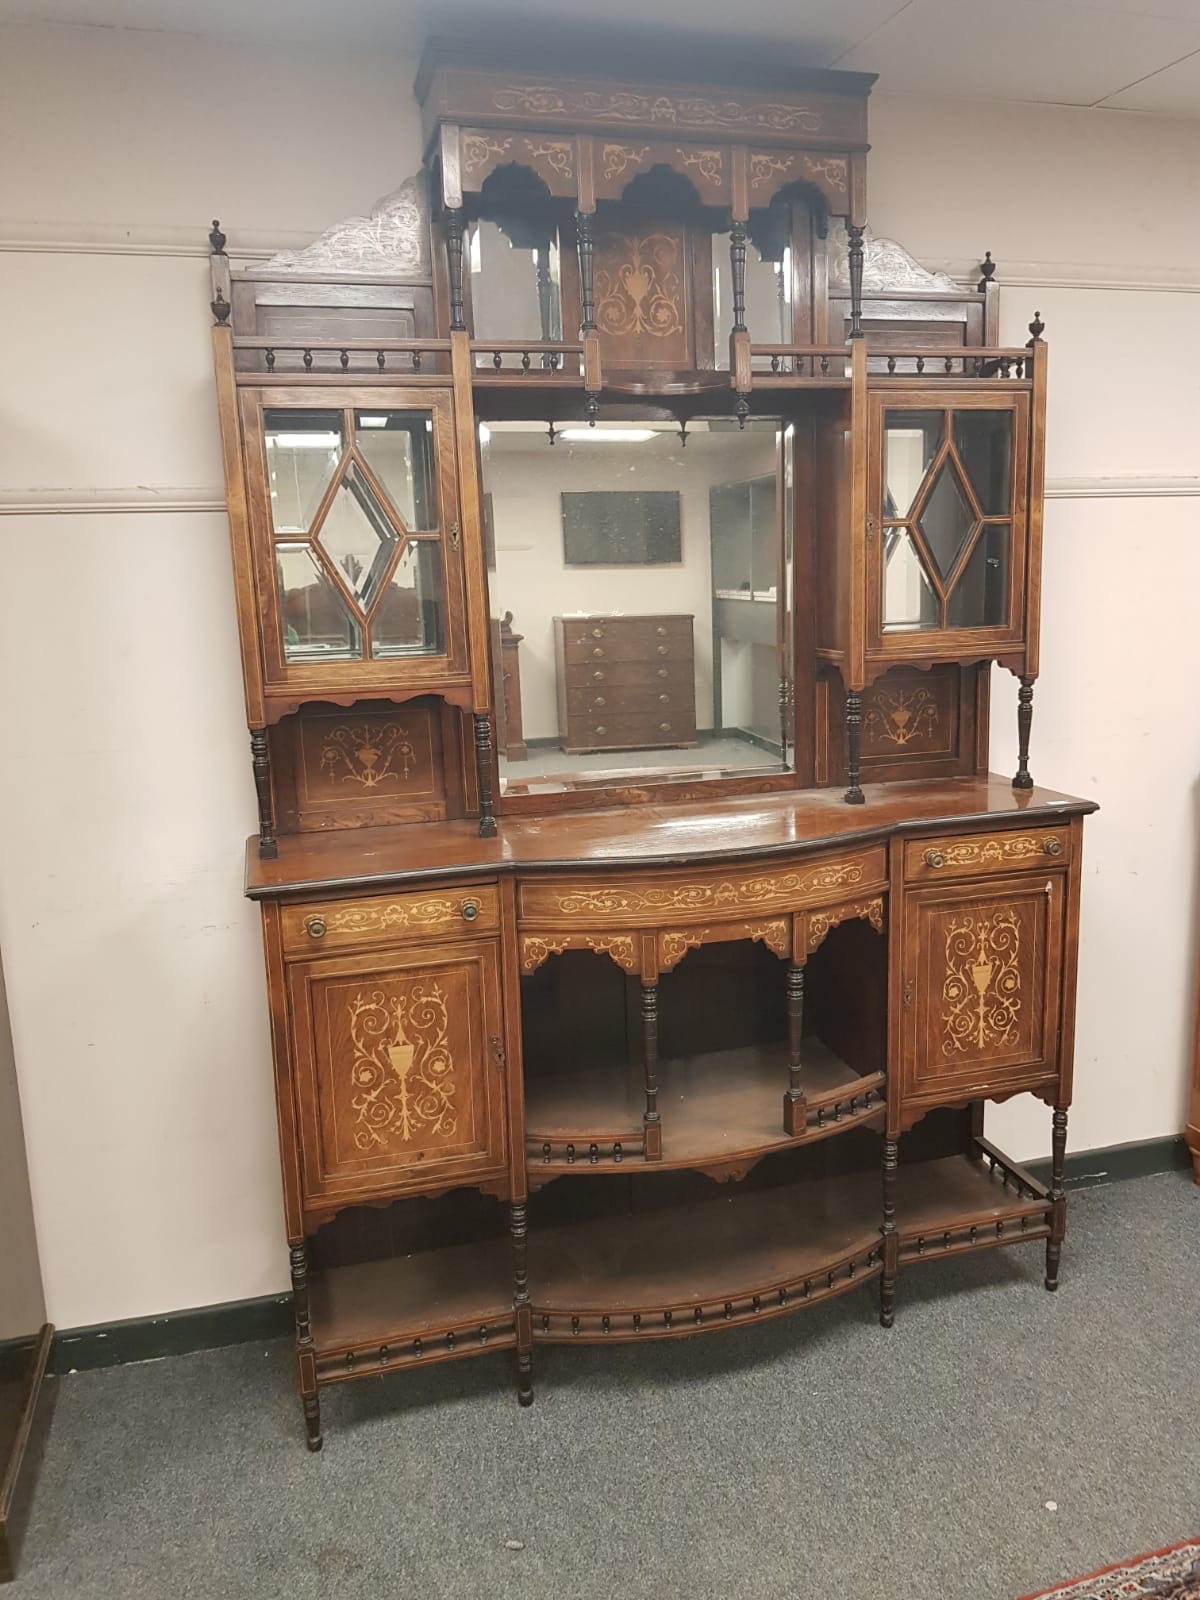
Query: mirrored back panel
x=640, y=581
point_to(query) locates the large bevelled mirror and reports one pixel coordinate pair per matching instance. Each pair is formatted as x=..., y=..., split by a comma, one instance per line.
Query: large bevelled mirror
x=641, y=621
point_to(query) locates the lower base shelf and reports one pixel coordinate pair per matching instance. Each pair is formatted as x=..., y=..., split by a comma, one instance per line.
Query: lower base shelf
x=671, y=1272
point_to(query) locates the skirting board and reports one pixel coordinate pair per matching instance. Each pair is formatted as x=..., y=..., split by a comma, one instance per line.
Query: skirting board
x=18, y=1471
x=180, y=1333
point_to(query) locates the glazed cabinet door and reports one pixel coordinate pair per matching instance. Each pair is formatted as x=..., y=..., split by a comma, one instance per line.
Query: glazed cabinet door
x=398, y=1071
x=981, y=987
x=356, y=532
x=947, y=523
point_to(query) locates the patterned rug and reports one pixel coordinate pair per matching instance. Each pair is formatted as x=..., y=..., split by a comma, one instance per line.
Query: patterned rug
x=1171, y=1574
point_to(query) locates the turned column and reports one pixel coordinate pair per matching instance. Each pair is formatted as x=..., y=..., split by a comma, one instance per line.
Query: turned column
x=1022, y=780
x=455, y=228
x=855, y=236
x=854, y=795
x=305, y=1356
x=890, y=1238
x=583, y=246
x=260, y=755
x=795, y=1107
x=522, y=1314
x=1058, y=1198
x=483, y=773
x=651, y=1124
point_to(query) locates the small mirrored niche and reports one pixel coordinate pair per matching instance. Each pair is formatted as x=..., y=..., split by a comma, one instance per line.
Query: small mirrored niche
x=640, y=579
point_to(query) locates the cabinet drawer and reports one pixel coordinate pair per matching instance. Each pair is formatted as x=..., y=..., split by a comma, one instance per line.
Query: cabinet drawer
x=645, y=647
x=317, y=926
x=664, y=699
x=674, y=674
x=977, y=855
x=627, y=731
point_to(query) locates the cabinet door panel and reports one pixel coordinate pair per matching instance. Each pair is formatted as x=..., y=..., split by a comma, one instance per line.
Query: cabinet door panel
x=396, y=1068
x=982, y=985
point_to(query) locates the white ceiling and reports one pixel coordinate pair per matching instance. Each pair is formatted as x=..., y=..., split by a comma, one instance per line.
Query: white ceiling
x=1133, y=55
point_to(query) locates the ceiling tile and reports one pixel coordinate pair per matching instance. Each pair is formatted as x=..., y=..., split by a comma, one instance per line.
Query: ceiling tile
x=1043, y=50
x=1173, y=92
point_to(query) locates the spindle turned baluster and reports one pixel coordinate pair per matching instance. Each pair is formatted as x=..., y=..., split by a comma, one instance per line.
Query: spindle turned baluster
x=483, y=773
x=380, y=359
x=824, y=366
x=891, y=1239
x=795, y=1106
x=651, y=1125
x=1022, y=778
x=455, y=222
x=583, y=245
x=891, y=364
x=854, y=234
x=523, y=1317
x=1058, y=1197
x=305, y=1352
x=854, y=795
x=344, y=359
x=260, y=756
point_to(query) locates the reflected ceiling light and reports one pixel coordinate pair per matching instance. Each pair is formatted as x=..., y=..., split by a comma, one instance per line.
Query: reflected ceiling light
x=304, y=441
x=372, y=422
x=485, y=433
x=610, y=435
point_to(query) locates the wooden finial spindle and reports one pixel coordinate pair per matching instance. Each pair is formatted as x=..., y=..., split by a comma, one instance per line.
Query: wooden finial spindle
x=988, y=268
x=216, y=239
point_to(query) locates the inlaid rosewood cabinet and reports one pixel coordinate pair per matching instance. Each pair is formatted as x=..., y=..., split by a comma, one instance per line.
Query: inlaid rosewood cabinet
x=623, y=538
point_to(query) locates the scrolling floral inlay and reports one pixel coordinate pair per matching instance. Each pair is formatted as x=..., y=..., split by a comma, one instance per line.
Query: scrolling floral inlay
x=982, y=987
x=538, y=947
x=642, y=295
x=731, y=893
x=710, y=164
x=617, y=157
x=674, y=943
x=367, y=756
x=998, y=851
x=556, y=153
x=403, y=1072
x=478, y=149
x=369, y=918
x=897, y=717
x=820, y=922
x=623, y=105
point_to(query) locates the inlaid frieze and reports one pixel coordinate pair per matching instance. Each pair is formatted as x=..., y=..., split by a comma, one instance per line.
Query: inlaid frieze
x=619, y=947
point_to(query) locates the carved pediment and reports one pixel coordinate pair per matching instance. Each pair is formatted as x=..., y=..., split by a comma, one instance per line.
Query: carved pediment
x=886, y=265
x=391, y=242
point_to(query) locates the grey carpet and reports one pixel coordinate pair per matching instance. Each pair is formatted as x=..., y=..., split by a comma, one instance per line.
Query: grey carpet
x=813, y=1456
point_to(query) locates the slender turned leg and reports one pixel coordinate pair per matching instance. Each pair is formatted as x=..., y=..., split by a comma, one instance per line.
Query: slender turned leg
x=483, y=769
x=583, y=243
x=260, y=754
x=651, y=1126
x=1058, y=1198
x=795, y=1107
x=454, y=258
x=854, y=795
x=855, y=263
x=523, y=1315
x=1024, y=724
x=891, y=1239
x=305, y=1362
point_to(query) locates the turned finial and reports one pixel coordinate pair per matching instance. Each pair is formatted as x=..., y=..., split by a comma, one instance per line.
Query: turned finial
x=988, y=268
x=217, y=239
x=1037, y=327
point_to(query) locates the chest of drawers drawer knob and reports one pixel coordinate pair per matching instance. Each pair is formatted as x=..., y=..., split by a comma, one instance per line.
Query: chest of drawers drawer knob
x=664, y=727
x=597, y=651
x=934, y=858
x=597, y=677
x=662, y=672
x=599, y=702
x=315, y=927
x=661, y=631
x=597, y=633
x=664, y=649
x=664, y=699
x=469, y=910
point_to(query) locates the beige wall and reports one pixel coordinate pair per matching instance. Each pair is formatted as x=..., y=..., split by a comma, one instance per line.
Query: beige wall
x=134, y=968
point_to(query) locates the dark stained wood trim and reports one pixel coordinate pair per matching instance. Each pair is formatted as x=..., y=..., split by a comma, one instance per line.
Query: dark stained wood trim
x=19, y=1472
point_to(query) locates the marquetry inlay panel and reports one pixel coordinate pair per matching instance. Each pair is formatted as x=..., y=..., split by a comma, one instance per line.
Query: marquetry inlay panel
x=651, y=901
x=818, y=923
x=770, y=170
x=482, y=150
x=620, y=947
x=641, y=283
x=404, y=1081
x=317, y=927
x=674, y=943
x=1027, y=849
x=706, y=166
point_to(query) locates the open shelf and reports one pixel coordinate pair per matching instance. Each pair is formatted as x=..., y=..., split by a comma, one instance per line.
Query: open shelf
x=717, y=1108
x=752, y=1255
x=429, y=1306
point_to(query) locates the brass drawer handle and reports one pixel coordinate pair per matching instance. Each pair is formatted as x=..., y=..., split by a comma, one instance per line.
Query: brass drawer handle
x=315, y=927
x=934, y=858
x=1052, y=846
x=470, y=910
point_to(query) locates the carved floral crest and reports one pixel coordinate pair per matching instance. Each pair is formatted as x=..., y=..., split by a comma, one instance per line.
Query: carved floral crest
x=392, y=241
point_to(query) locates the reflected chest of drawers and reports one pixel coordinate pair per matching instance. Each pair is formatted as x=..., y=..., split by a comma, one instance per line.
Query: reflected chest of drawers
x=625, y=683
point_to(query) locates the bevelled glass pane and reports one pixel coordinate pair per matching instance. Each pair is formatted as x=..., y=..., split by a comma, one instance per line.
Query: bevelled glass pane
x=408, y=621
x=768, y=281
x=303, y=450
x=910, y=442
x=515, y=278
x=356, y=537
x=980, y=597
x=983, y=440
x=909, y=601
x=947, y=519
x=398, y=448
x=317, y=622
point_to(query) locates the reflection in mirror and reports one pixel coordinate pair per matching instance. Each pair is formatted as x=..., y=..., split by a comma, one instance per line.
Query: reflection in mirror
x=396, y=445
x=983, y=440
x=641, y=628
x=979, y=598
x=408, y=619
x=317, y=622
x=911, y=440
x=768, y=281
x=303, y=450
x=909, y=601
